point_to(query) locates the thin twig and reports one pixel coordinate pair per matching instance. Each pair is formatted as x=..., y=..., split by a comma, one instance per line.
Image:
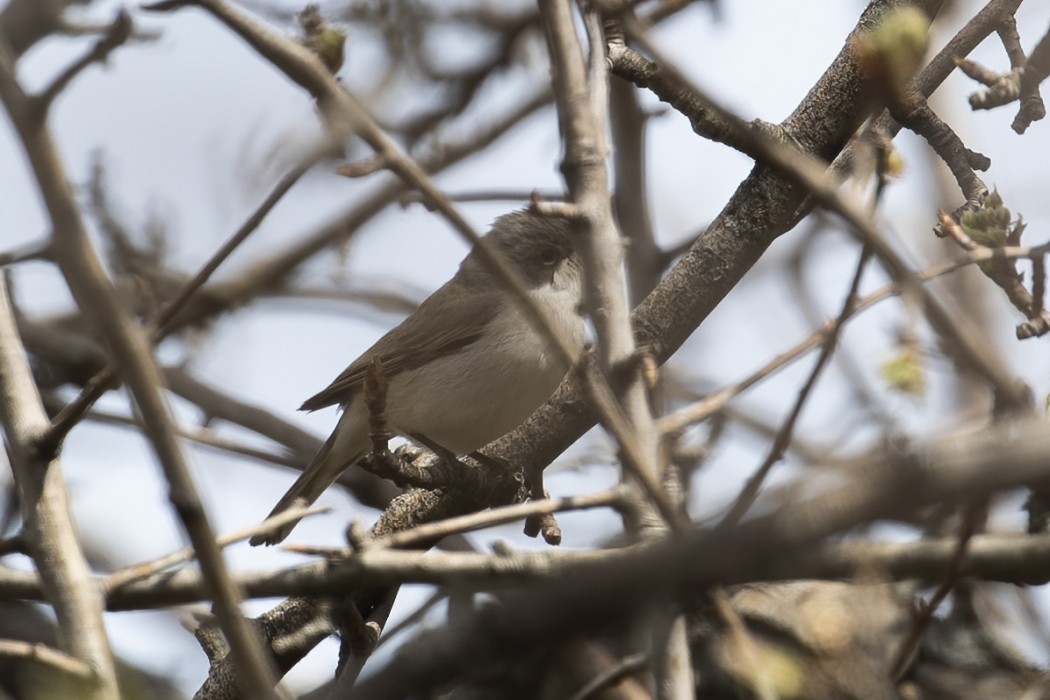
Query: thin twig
x=201, y=436
x=97, y=299
x=905, y=654
x=627, y=666
x=958, y=331
x=71, y=414
x=491, y=195
x=750, y=491
x=414, y=617
x=31, y=251
x=115, y=35
x=714, y=402
x=137, y=572
x=45, y=656
x=429, y=532
x=582, y=101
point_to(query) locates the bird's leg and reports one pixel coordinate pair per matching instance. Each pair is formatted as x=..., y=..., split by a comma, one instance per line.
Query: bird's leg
x=544, y=524
x=444, y=453
x=411, y=467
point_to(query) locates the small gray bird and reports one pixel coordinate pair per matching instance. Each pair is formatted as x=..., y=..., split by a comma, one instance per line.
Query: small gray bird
x=464, y=368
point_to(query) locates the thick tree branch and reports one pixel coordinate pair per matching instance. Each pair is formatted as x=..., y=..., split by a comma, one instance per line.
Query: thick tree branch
x=50, y=533
x=791, y=537
x=582, y=99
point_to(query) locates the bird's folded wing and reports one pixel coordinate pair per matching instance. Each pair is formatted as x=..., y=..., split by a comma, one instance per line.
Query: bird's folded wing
x=451, y=318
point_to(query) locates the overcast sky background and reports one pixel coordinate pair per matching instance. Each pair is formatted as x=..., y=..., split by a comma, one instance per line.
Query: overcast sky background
x=188, y=126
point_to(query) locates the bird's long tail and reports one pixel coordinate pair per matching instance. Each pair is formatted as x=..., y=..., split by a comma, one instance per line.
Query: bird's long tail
x=323, y=470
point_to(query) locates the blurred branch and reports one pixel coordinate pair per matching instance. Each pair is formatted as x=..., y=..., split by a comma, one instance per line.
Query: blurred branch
x=49, y=658
x=597, y=597
x=215, y=404
x=166, y=321
x=582, y=102
x=116, y=34
x=137, y=572
x=25, y=22
x=98, y=301
x=750, y=491
x=50, y=533
x=413, y=618
x=68, y=355
x=715, y=401
x=201, y=436
x=959, y=333
x=462, y=87
x=389, y=301
x=807, y=451
x=799, y=275
x=612, y=677
x=30, y=251
x=628, y=123
x=273, y=272
x=431, y=532
x=493, y=195
x=581, y=90
x=905, y=654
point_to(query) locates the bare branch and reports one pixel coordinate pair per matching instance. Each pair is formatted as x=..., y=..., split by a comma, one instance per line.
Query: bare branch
x=951, y=469
x=582, y=102
x=47, y=657
x=776, y=451
x=32, y=251
x=715, y=401
x=144, y=570
x=50, y=533
x=959, y=332
x=115, y=35
x=166, y=320
x=431, y=532
x=97, y=299
x=345, y=115
x=582, y=99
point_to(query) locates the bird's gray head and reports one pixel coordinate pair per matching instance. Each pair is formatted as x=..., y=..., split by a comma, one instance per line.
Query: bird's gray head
x=539, y=248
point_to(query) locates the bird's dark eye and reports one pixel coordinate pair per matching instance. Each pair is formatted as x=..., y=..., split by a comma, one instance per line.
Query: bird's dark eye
x=550, y=256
